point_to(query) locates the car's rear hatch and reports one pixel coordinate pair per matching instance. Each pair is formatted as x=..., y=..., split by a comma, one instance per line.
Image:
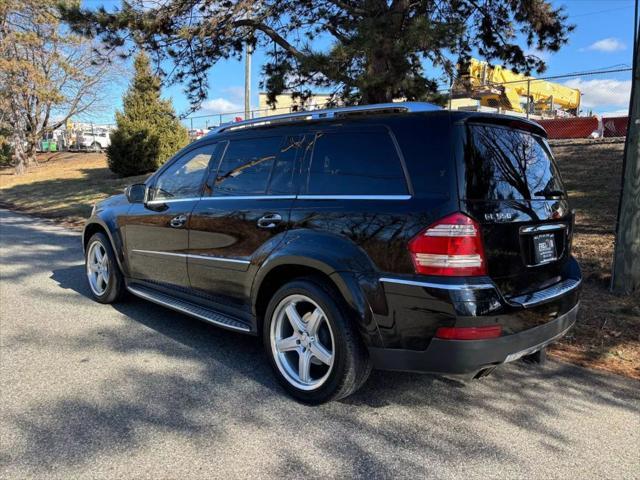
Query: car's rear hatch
x=509, y=182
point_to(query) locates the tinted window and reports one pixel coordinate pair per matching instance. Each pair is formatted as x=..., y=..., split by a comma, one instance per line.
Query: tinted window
x=281, y=182
x=507, y=164
x=183, y=179
x=246, y=166
x=426, y=143
x=356, y=163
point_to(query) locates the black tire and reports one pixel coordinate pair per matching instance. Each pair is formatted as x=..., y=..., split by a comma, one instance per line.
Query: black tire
x=351, y=364
x=115, y=288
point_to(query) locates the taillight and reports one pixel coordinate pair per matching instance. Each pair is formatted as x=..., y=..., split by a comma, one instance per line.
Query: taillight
x=469, y=333
x=452, y=246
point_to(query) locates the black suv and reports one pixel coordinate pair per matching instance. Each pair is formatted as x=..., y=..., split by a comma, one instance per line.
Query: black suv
x=397, y=236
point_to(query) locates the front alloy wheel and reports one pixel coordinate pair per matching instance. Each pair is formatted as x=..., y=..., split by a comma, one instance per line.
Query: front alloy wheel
x=98, y=268
x=105, y=279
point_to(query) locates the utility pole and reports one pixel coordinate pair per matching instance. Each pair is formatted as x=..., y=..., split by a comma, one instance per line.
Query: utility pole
x=625, y=277
x=248, y=51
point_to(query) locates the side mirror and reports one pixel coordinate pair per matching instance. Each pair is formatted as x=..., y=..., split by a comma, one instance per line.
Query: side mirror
x=136, y=193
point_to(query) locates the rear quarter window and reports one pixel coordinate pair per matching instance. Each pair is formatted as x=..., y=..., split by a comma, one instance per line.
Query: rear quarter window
x=426, y=144
x=355, y=163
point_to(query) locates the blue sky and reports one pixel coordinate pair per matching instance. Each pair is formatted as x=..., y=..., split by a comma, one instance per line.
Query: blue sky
x=603, y=39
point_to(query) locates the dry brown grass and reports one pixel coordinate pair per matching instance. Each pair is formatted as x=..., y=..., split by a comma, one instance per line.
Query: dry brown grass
x=607, y=334
x=64, y=186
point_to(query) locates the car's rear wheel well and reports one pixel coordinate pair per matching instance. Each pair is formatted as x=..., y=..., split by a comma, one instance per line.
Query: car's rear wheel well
x=278, y=277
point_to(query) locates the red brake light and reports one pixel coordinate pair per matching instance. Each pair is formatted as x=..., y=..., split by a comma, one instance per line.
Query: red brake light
x=469, y=333
x=452, y=247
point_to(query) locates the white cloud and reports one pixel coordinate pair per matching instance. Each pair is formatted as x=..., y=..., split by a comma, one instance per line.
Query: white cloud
x=231, y=102
x=235, y=92
x=599, y=93
x=607, y=45
x=221, y=105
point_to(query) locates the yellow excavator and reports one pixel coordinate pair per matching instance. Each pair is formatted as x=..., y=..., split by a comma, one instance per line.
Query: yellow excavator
x=498, y=87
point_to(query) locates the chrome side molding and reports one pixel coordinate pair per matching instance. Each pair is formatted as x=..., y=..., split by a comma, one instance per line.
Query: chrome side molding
x=353, y=197
x=282, y=197
x=188, y=255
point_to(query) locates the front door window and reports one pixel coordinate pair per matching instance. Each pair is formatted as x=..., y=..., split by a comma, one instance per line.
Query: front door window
x=184, y=178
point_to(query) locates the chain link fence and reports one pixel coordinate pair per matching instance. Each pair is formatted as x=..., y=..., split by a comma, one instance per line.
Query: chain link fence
x=590, y=104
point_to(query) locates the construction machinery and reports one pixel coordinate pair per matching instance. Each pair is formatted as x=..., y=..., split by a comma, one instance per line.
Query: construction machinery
x=497, y=87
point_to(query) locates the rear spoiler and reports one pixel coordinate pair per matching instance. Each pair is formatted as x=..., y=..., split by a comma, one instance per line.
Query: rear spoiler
x=508, y=121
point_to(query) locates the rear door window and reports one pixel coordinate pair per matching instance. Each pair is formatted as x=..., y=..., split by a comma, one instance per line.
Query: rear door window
x=355, y=163
x=282, y=177
x=246, y=166
x=508, y=164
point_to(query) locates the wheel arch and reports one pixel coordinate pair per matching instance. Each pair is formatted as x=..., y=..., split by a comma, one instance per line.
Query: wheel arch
x=286, y=268
x=96, y=225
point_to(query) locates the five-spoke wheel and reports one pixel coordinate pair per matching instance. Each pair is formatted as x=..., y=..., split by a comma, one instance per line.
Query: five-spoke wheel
x=105, y=279
x=313, y=345
x=303, y=342
x=98, y=268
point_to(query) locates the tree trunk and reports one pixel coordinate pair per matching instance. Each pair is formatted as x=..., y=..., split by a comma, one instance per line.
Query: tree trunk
x=376, y=92
x=626, y=258
x=19, y=157
x=32, y=147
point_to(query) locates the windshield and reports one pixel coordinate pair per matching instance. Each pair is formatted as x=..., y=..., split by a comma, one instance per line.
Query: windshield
x=507, y=164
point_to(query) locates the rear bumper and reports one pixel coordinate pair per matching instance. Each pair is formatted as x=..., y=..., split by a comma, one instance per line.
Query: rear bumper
x=464, y=357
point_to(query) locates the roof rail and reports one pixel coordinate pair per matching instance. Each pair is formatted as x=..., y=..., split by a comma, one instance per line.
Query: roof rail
x=399, y=107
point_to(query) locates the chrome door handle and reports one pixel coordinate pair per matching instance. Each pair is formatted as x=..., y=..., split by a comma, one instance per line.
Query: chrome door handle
x=179, y=221
x=269, y=220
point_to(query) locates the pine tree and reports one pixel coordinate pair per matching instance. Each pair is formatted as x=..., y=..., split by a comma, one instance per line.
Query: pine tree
x=147, y=132
x=370, y=51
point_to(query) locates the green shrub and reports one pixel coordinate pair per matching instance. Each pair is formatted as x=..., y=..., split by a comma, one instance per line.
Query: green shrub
x=5, y=152
x=147, y=131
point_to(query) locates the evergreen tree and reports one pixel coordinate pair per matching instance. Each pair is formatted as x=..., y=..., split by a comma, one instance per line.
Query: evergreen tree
x=147, y=132
x=372, y=50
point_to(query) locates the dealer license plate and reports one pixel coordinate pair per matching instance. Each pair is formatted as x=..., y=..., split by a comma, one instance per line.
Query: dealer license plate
x=544, y=248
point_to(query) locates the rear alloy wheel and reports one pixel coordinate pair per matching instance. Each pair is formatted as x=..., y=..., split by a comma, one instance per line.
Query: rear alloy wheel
x=314, y=348
x=105, y=280
x=302, y=342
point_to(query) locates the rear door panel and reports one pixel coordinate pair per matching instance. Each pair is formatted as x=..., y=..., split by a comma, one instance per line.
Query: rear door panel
x=244, y=223
x=223, y=241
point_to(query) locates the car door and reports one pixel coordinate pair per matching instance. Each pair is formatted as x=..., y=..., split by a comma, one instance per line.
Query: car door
x=354, y=186
x=244, y=218
x=156, y=232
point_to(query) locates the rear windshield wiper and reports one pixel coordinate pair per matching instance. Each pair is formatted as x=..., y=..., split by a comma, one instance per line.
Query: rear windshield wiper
x=549, y=193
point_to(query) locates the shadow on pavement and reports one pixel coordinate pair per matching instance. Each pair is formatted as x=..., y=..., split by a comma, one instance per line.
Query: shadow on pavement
x=206, y=387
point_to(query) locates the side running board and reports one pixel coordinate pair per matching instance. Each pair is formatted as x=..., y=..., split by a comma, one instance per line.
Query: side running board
x=188, y=308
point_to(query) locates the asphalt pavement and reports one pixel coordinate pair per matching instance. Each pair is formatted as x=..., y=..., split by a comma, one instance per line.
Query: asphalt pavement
x=137, y=391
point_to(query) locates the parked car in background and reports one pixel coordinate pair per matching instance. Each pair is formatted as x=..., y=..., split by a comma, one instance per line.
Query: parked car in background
x=395, y=236
x=95, y=140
